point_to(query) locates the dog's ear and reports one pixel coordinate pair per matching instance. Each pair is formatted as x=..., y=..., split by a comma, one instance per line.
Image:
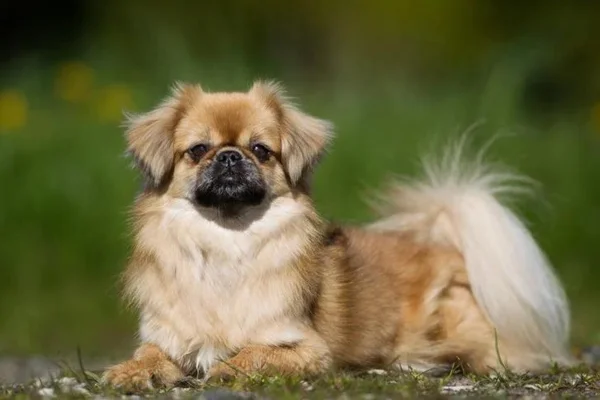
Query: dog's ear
x=304, y=138
x=150, y=135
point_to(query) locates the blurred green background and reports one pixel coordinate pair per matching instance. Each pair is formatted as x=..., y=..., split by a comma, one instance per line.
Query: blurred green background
x=394, y=76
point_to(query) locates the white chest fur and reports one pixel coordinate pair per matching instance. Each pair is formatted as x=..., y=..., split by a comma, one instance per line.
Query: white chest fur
x=216, y=288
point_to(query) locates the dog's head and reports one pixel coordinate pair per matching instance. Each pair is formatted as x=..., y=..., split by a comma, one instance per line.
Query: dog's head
x=226, y=150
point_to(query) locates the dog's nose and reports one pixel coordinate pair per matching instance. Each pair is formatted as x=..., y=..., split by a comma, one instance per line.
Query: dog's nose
x=229, y=157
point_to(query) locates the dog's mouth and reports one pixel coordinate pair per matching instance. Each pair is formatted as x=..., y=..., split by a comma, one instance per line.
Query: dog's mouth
x=229, y=177
x=230, y=188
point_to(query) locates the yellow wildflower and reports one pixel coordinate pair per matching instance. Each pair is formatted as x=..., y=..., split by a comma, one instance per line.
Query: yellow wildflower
x=112, y=101
x=13, y=110
x=74, y=82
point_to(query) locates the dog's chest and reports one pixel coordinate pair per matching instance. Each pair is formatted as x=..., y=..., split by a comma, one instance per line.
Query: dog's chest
x=219, y=289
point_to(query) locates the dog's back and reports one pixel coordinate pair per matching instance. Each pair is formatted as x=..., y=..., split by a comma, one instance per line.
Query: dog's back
x=481, y=289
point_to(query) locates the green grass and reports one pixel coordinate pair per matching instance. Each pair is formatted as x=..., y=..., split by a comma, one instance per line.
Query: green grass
x=373, y=384
x=66, y=189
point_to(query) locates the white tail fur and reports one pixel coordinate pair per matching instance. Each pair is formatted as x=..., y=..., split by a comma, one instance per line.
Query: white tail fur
x=511, y=278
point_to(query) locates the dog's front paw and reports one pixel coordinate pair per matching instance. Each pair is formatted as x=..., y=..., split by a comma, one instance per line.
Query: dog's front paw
x=224, y=372
x=149, y=368
x=130, y=375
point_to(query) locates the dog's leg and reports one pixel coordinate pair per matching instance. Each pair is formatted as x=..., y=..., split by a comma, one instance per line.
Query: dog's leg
x=305, y=357
x=149, y=367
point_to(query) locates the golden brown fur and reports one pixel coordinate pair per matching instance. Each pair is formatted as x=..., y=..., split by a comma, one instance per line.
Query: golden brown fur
x=271, y=287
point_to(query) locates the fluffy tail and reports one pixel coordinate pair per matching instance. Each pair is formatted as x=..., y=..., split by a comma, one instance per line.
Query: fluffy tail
x=510, y=277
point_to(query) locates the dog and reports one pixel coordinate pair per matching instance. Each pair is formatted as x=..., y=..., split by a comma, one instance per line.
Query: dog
x=234, y=272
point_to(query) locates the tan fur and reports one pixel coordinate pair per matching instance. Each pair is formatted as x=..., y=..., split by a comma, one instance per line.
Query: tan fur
x=275, y=289
x=150, y=136
x=302, y=137
x=150, y=366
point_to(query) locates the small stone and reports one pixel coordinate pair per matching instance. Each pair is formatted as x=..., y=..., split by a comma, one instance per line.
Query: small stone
x=537, y=388
x=377, y=372
x=46, y=392
x=66, y=383
x=457, y=388
x=80, y=389
x=576, y=380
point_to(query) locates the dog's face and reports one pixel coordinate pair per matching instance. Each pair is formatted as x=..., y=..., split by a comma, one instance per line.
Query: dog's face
x=226, y=150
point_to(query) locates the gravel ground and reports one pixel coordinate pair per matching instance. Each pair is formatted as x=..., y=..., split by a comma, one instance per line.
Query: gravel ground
x=40, y=377
x=367, y=386
x=21, y=370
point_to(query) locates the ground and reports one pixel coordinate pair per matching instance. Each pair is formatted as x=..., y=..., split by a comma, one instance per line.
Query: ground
x=372, y=384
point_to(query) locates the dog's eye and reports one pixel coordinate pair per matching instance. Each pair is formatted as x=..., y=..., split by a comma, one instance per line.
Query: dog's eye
x=261, y=152
x=196, y=152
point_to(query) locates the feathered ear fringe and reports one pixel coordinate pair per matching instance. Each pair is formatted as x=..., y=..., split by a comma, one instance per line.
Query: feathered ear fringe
x=150, y=135
x=304, y=139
